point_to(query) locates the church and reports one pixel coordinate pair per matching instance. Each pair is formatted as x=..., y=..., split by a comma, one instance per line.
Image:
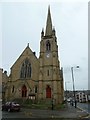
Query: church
x=37, y=79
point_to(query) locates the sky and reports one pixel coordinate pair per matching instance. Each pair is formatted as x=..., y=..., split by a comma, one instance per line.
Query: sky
x=21, y=23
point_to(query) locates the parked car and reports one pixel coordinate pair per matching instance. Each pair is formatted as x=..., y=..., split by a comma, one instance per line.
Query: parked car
x=68, y=100
x=11, y=106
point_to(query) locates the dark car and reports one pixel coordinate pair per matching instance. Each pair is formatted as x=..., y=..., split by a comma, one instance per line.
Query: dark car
x=11, y=106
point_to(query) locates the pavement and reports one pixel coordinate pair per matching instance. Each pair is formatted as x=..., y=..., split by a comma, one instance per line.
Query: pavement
x=69, y=112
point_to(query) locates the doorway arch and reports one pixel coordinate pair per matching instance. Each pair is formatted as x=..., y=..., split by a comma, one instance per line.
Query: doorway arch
x=48, y=92
x=24, y=91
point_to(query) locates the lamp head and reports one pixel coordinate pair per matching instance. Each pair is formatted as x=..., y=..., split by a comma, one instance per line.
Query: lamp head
x=77, y=67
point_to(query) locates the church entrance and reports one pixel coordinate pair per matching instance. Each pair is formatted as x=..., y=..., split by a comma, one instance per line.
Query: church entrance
x=48, y=92
x=24, y=91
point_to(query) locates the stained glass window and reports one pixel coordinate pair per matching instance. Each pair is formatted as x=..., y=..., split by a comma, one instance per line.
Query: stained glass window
x=25, y=69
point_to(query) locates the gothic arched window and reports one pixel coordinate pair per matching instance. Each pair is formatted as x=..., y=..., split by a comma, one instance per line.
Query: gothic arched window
x=48, y=46
x=25, y=69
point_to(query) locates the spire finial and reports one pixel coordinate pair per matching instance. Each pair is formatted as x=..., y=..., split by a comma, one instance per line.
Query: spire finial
x=28, y=45
x=42, y=33
x=48, y=23
x=49, y=8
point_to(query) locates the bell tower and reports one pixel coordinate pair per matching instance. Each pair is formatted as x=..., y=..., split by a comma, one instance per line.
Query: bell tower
x=50, y=75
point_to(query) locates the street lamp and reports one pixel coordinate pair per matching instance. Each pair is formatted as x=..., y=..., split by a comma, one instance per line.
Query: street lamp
x=74, y=85
x=66, y=89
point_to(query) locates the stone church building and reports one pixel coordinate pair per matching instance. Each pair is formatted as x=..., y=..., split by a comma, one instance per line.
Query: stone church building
x=38, y=78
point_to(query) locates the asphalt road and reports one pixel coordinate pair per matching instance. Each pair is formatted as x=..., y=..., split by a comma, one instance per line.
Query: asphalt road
x=69, y=112
x=84, y=106
x=6, y=114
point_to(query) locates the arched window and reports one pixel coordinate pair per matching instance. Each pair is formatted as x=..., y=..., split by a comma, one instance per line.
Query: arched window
x=47, y=72
x=25, y=69
x=13, y=89
x=48, y=46
x=35, y=89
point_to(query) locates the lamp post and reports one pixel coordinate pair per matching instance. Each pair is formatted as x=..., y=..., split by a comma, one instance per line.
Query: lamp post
x=66, y=89
x=52, y=102
x=74, y=86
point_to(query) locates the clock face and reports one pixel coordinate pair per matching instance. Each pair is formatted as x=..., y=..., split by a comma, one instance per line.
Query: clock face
x=47, y=55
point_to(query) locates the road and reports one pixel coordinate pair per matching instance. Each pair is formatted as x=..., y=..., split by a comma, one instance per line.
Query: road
x=21, y=114
x=84, y=106
x=69, y=112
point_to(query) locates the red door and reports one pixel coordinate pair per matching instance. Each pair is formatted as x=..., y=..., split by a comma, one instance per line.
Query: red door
x=24, y=91
x=48, y=92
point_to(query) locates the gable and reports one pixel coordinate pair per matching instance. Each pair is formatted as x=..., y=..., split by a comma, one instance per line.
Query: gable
x=27, y=53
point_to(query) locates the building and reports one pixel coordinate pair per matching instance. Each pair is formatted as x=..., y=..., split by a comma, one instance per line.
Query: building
x=0, y=83
x=88, y=92
x=3, y=83
x=82, y=96
x=39, y=79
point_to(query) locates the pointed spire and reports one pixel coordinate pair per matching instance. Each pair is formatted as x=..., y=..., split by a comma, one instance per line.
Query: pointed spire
x=48, y=24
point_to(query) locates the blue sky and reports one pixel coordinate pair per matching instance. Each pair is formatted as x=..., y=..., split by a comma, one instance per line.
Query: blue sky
x=22, y=23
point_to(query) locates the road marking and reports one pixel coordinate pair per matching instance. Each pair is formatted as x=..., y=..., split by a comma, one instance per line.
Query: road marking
x=84, y=116
x=87, y=116
x=79, y=111
x=28, y=113
x=52, y=116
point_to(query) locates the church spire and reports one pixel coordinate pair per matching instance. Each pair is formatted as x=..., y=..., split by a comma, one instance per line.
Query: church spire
x=48, y=24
